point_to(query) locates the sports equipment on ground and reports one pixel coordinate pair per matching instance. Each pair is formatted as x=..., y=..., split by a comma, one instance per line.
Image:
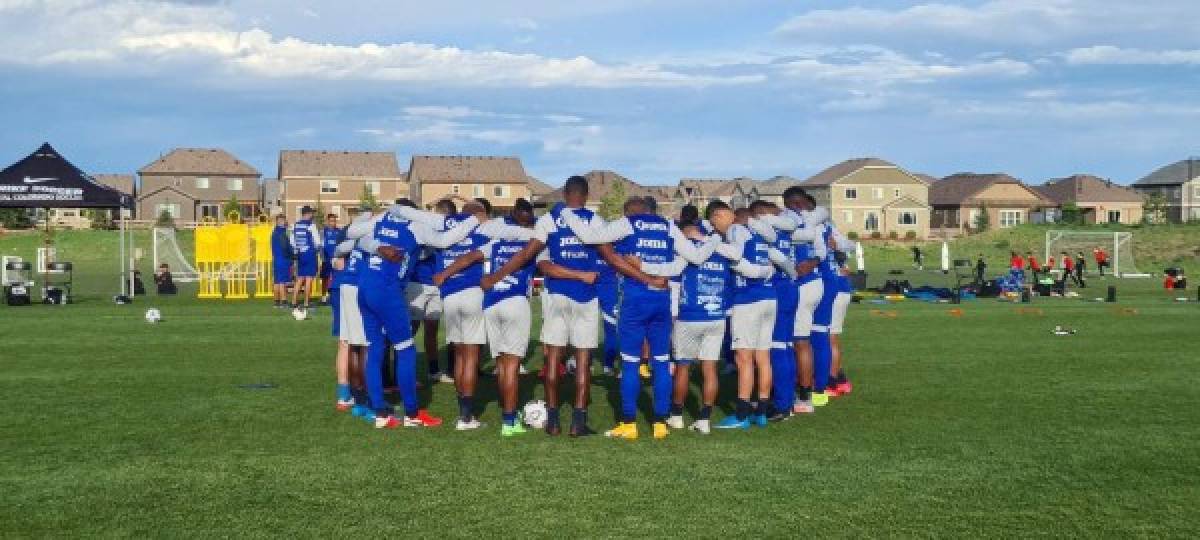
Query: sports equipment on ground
x=299, y=314
x=660, y=430
x=153, y=315
x=731, y=422
x=820, y=399
x=675, y=422
x=534, y=414
x=422, y=419
x=166, y=250
x=467, y=424
x=702, y=427
x=513, y=430
x=627, y=431
x=1119, y=246
x=386, y=422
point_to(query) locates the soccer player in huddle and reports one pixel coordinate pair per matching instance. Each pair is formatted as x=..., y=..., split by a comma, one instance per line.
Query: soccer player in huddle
x=843, y=247
x=347, y=320
x=306, y=244
x=425, y=301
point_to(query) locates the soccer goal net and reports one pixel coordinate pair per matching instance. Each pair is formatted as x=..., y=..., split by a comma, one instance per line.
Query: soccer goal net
x=166, y=250
x=1116, y=248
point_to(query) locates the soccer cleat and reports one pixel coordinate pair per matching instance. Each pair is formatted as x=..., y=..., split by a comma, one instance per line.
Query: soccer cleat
x=759, y=420
x=624, y=430
x=731, y=422
x=580, y=430
x=344, y=405
x=644, y=370
x=467, y=424
x=832, y=391
x=802, y=407
x=386, y=422
x=422, y=419
x=444, y=378
x=513, y=430
x=358, y=410
x=820, y=399
x=780, y=416
x=702, y=427
x=675, y=422
x=369, y=416
x=845, y=387
x=660, y=430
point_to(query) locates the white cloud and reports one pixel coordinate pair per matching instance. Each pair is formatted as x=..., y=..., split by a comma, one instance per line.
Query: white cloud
x=882, y=67
x=1108, y=54
x=129, y=33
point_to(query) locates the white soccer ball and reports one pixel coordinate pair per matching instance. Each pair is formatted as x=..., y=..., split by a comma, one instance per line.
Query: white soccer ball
x=300, y=314
x=153, y=315
x=534, y=414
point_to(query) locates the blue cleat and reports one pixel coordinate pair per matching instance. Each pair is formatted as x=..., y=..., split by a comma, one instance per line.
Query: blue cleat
x=731, y=422
x=358, y=410
x=759, y=420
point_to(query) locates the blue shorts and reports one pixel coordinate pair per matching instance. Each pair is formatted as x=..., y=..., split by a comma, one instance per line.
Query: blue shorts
x=823, y=316
x=281, y=272
x=645, y=319
x=306, y=266
x=335, y=302
x=787, y=297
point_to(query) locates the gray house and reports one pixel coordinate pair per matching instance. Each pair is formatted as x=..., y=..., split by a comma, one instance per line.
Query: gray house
x=1179, y=186
x=191, y=184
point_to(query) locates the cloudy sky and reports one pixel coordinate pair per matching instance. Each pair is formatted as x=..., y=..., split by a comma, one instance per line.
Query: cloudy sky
x=655, y=90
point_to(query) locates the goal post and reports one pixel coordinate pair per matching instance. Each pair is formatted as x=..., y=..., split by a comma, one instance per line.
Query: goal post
x=1118, y=245
x=166, y=250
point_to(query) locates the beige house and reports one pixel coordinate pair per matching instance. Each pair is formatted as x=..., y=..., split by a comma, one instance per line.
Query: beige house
x=701, y=191
x=960, y=199
x=81, y=218
x=871, y=195
x=1098, y=200
x=335, y=181
x=191, y=184
x=1179, y=186
x=500, y=180
x=537, y=191
x=602, y=183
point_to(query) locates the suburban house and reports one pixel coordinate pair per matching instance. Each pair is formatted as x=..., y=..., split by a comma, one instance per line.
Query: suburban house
x=871, y=195
x=701, y=191
x=959, y=200
x=81, y=218
x=272, y=193
x=191, y=184
x=1098, y=200
x=603, y=183
x=1179, y=186
x=538, y=190
x=500, y=180
x=335, y=181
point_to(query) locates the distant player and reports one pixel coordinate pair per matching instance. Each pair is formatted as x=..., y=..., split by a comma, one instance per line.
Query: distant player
x=839, y=384
x=330, y=234
x=281, y=260
x=1101, y=258
x=306, y=242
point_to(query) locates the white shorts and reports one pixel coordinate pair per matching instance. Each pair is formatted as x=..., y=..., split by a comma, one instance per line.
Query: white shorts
x=350, y=324
x=751, y=325
x=810, y=296
x=841, y=303
x=675, y=287
x=508, y=324
x=424, y=302
x=463, y=317
x=567, y=322
x=698, y=340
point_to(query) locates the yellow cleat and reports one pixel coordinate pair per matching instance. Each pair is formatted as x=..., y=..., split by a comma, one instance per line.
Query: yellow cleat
x=820, y=399
x=645, y=371
x=660, y=430
x=627, y=431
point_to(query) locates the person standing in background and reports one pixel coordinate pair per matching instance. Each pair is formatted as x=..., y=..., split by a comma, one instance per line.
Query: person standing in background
x=281, y=260
x=330, y=234
x=918, y=258
x=1031, y=264
x=306, y=243
x=980, y=270
x=1101, y=259
x=1080, y=267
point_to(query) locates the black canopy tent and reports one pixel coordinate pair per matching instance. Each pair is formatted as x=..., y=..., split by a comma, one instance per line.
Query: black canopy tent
x=44, y=179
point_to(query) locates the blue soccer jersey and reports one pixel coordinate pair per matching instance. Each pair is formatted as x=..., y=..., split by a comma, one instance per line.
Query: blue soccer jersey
x=469, y=276
x=565, y=249
x=704, y=290
x=748, y=290
x=518, y=283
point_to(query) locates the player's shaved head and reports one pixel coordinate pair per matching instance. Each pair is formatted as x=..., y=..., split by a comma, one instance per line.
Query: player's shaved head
x=634, y=206
x=575, y=191
x=445, y=206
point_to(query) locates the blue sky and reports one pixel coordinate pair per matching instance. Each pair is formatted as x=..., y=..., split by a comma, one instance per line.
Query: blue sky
x=656, y=90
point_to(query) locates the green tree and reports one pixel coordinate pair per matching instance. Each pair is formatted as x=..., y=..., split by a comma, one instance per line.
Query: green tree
x=1071, y=215
x=982, y=221
x=100, y=219
x=367, y=198
x=165, y=219
x=15, y=218
x=613, y=202
x=1154, y=210
x=232, y=207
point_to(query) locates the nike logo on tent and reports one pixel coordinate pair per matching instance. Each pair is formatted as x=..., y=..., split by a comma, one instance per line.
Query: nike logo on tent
x=29, y=180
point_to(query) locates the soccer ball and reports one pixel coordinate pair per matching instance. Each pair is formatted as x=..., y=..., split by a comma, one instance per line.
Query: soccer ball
x=535, y=414
x=153, y=315
x=300, y=314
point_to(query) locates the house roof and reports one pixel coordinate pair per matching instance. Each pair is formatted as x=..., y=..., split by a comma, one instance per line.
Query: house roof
x=537, y=188
x=927, y=178
x=1172, y=175
x=711, y=187
x=958, y=189
x=325, y=163
x=601, y=182
x=214, y=161
x=844, y=169
x=776, y=185
x=185, y=195
x=1086, y=187
x=467, y=169
x=121, y=182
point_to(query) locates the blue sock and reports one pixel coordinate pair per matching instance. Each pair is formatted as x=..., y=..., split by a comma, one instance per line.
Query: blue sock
x=374, y=376
x=663, y=384
x=510, y=418
x=822, y=358
x=343, y=392
x=783, y=385
x=631, y=386
x=406, y=378
x=610, y=345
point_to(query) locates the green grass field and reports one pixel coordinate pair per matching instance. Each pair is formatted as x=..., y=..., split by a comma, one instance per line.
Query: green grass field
x=979, y=425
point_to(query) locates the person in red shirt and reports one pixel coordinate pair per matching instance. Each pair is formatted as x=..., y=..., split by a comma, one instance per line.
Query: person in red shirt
x=1069, y=269
x=1031, y=263
x=1101, y=259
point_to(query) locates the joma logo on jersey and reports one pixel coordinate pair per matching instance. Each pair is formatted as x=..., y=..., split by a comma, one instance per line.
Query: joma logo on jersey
x=649, y=226
x=709, y=265
x=651, y=243
x=508, y=250
x=390, y=233
x=569, y=241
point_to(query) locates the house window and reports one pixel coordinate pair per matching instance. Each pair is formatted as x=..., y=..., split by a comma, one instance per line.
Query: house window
x=209, y=211
x=500, y=190
x=1114, y=216
x=1011, y=218
x=373, y=188
x=906, y=218
x=851, y=193
x=454, y=189
x=872, y=222
x=847, y=216
x=972, y=217
x=329, y=186
x=201, y=182
x=877, y=193
x=476, y=190
x=171, y=209
x=233, y=184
